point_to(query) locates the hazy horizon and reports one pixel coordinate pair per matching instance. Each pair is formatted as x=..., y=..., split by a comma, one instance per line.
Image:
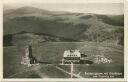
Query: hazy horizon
x=97, y=8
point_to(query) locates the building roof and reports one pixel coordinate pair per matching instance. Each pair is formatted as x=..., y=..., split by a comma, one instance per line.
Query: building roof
x=72, y=53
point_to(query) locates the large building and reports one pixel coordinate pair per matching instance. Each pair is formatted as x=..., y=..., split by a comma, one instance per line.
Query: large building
x=73, y=56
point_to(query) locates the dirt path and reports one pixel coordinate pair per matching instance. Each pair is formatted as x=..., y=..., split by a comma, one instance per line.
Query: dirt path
x=37, y=69
x=76, y=75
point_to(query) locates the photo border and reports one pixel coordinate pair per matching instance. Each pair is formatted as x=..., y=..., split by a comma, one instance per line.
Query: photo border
x=67, y=1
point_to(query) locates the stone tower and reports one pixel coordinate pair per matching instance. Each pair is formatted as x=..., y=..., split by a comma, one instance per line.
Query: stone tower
x=29, y=59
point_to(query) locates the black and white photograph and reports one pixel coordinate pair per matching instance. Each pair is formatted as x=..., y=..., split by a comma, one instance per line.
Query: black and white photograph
x=63, y=40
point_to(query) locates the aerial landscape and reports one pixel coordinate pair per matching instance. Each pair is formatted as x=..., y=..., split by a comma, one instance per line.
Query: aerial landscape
x=100, y=37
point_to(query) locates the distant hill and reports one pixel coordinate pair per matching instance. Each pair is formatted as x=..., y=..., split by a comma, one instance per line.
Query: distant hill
x=73, y=26
x=112, y=20
x=23, y=38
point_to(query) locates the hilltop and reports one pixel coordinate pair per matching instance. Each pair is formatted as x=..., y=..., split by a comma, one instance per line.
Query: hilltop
x=73, y=26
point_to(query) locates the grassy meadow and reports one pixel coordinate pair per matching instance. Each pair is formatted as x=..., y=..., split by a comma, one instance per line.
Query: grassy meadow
x=52, y=52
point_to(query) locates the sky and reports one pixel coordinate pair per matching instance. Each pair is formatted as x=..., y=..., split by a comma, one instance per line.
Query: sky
x=62, y=1
x=85, y=7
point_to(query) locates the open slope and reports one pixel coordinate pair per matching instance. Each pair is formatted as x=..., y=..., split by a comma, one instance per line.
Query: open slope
x=51, y=32
x=77, y=26
x=52, y=52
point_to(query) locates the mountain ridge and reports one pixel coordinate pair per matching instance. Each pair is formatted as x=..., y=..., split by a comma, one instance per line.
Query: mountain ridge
x=77, y=26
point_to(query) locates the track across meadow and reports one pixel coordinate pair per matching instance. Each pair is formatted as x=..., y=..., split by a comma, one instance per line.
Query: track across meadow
x=52, y=52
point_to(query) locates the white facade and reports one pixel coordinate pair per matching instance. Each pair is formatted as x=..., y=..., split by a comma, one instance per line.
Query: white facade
x=72, y=53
